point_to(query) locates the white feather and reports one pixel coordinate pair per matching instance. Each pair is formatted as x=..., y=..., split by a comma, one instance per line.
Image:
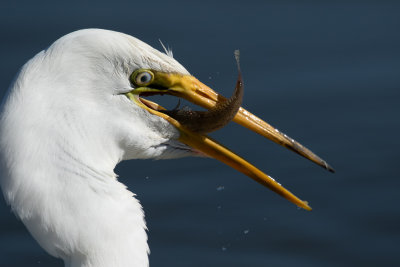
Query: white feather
x=168, y=51
x=64, y=127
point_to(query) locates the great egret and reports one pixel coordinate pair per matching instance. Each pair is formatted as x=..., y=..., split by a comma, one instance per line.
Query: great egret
x=74, y=112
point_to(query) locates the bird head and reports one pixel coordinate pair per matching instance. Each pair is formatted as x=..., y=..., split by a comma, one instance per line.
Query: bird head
x=97, y=79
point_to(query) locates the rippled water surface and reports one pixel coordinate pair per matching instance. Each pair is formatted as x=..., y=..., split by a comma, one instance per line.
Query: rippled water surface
x=327, y=74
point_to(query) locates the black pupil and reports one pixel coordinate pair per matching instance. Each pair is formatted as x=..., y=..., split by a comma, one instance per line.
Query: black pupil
x=144, y=78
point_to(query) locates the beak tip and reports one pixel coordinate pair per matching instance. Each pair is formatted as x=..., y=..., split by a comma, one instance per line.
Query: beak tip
x=328, y=167
x=305, y=206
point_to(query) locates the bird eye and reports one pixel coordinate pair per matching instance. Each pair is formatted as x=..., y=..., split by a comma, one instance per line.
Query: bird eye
x=142, y=77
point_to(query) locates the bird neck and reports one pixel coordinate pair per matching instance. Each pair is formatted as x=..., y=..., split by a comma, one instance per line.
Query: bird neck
x=67, y=195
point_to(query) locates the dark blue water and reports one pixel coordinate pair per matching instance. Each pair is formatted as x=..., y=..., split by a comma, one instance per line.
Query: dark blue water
x=327, y=74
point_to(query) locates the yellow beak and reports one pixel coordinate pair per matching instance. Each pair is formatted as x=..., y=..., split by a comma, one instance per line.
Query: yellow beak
x=191, y=89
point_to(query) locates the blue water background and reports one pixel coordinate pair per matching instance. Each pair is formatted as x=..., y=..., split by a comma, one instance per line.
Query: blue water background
x=327, y=73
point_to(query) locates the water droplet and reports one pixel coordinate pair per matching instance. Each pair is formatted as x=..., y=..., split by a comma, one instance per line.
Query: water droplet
x=220, y=188
x=224, y=248
x=246, y=231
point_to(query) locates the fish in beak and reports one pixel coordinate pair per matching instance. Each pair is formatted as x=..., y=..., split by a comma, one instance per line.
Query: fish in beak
x=194, y=125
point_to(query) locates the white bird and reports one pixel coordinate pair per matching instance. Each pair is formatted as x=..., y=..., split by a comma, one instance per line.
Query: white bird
x=73, y=113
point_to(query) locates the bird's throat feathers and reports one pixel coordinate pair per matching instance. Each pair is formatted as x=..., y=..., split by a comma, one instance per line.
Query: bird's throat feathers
x=67, y=194
x=71, y=203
